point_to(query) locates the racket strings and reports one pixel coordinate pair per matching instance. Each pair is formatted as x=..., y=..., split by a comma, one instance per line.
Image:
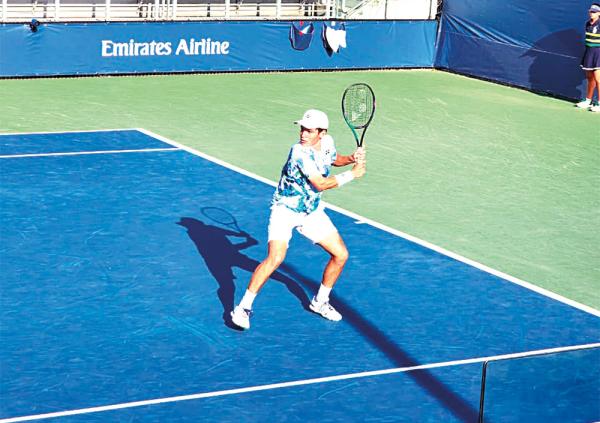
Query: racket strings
x=358, y=105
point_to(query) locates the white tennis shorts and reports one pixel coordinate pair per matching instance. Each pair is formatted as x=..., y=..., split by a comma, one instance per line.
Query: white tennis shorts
x=316, y=226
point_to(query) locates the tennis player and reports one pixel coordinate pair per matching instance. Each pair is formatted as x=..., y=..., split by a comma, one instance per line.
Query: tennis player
x=591, y=59
x=297, y=204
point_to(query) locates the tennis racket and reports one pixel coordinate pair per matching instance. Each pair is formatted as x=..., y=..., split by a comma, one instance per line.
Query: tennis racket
x=358, y=108
x=222, y=217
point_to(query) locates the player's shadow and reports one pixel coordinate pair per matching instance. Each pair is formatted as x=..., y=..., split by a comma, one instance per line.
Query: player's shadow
x=221, y=256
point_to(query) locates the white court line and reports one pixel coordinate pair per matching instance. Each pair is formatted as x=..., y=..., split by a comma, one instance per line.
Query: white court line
x=207, y=157
x=294, y=383
x=85, y=131
x=83, y=153
x=385, y=228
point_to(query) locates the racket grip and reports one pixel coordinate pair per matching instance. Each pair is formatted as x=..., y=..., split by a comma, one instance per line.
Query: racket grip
x=360, y=155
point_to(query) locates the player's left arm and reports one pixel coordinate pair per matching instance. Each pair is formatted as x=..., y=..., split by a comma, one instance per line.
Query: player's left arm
x=341, y=160
x=344, y=160
x=357, y=156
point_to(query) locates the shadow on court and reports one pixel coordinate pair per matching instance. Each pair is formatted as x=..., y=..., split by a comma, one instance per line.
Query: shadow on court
x=221, y=255
x=452, y=401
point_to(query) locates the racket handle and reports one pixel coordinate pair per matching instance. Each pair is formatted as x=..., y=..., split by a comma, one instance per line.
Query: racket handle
x=360, y=155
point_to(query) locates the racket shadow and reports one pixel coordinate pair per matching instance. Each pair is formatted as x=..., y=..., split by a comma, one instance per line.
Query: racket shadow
x=221, y=256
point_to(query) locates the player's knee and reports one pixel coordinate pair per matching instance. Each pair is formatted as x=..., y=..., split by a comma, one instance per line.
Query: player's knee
x=275, y=259
x=342, y=256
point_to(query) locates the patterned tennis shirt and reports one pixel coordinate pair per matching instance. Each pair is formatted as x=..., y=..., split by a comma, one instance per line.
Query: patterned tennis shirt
x=294, y=189
x=592, y=34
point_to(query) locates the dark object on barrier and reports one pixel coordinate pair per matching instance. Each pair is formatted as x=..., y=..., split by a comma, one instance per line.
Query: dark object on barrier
x=301, y=36
x=33, y=25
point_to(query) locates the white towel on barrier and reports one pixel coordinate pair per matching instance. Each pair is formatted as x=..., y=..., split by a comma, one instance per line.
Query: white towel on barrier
x=335, y=38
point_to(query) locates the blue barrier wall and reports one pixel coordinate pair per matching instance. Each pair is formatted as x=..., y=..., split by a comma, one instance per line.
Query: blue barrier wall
x=145, y=47
x=534, y=44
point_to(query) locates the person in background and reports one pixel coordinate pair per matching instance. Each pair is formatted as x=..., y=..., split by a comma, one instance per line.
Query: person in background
x=591, y=60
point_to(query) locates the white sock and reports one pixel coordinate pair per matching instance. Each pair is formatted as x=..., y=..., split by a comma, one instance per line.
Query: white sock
x=247, y=300
x=323, y=294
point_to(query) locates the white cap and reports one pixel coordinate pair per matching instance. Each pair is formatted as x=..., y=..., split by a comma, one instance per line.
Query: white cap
x=314, y=119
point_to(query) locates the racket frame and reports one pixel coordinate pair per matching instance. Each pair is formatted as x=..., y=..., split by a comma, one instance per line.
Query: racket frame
x=359, y=142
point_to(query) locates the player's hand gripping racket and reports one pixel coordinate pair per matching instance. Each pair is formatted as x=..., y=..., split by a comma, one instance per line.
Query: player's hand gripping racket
x=358, y=108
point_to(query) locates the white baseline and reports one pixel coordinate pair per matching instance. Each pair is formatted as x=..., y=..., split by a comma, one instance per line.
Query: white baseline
x=281, y=385
x=82, y=153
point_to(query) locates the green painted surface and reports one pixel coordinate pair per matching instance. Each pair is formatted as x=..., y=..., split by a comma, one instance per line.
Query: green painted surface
x=502, y=176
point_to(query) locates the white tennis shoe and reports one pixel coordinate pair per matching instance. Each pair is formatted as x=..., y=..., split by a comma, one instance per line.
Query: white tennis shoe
x=595, y=109
x=325, y=309
x=241, y=317
x=584, y=104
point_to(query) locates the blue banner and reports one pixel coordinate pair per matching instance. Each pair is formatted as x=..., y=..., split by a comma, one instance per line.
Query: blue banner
x=154, y=47
x=536, y=44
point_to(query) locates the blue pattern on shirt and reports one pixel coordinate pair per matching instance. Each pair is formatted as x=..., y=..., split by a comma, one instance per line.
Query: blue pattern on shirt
x=294, y=189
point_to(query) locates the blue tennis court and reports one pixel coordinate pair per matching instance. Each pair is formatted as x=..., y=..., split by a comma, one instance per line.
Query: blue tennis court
x=116, y=291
